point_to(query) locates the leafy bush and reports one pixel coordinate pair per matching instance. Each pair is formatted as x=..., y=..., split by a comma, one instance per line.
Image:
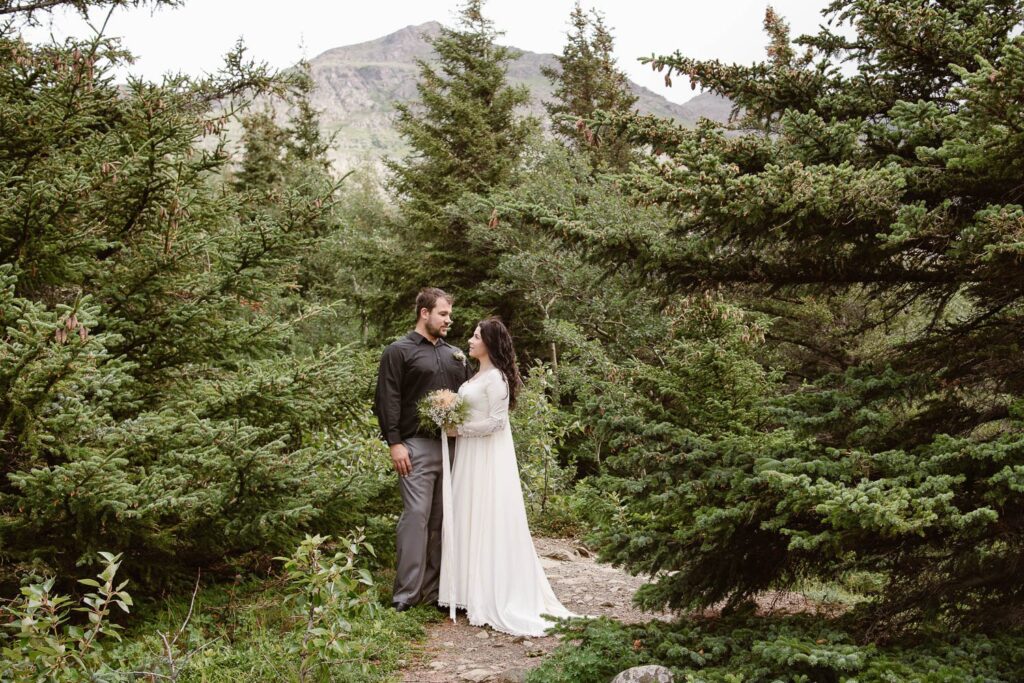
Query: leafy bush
x=330, y=593
x=319, y=621
x=48, y=645
x=539, y=429
x=800, y=649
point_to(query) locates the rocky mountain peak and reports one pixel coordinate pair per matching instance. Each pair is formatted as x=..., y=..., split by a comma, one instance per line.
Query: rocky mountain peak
x=357, y=86
x=404, y=46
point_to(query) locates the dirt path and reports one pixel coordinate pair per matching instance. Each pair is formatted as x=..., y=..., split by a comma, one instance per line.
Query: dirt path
x=460, y=652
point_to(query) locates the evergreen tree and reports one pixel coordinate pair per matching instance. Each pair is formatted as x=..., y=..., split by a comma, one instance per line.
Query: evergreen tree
x=465, y=138
x=29, y=10
x=273, y=154
x=263, y=142
x=349, y=270
x=546, y=279
x=587, y=81
x=148, y=401
x=890, y=188
x=305, y=142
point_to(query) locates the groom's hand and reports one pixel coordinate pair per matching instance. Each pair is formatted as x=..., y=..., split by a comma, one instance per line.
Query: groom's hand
x=400, y=459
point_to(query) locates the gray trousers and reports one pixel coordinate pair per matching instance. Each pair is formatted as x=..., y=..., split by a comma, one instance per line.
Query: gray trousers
x=418, y=537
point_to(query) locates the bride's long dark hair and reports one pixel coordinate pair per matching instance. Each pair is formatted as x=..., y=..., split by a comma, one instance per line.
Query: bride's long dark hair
x=498, y=341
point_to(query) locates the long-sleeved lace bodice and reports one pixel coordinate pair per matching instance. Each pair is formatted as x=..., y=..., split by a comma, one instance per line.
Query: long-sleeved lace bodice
x=487, y=396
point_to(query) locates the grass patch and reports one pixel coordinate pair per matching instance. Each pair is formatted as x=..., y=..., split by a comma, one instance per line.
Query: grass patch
x=247, y=632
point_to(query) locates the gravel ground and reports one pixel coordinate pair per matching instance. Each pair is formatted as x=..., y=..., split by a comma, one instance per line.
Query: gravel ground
x=460, y=652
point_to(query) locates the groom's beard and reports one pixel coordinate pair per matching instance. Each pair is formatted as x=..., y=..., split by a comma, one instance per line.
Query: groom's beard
x=437, y=331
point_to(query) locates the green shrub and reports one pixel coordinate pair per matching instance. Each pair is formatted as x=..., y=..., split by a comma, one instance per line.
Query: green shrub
x=320, y=620
x=49, y=644
x=799, y=649
x=560, y=518
x=539, y=429
x=330, y=593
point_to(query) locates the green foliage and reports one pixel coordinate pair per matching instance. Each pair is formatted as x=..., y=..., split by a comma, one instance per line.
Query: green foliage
x=465, y=138
x=678, y=441
x=544, y=280
x=319, y=621
x=751, y=649
x=263, y=640
x=47, y=645
x=256, y=630
x=329, y=592
x=262, y=167
x=148, y=399
x=540, y=429
x=787, y=350
x=350, y=270
x=872, y=213
x=587, y=81
x=600, y=650
x=374, y=651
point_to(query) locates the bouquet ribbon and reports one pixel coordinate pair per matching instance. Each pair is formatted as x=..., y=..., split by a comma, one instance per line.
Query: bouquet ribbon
x=447, y=525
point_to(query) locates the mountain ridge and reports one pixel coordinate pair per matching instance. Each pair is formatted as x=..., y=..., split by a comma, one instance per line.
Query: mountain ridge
x=357, y=85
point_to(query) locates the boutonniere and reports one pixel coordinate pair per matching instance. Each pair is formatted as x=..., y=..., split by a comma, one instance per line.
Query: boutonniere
x=459, y=356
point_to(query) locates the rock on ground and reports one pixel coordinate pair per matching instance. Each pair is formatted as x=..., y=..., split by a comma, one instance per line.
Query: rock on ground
x=517, y=675
x=651, y=673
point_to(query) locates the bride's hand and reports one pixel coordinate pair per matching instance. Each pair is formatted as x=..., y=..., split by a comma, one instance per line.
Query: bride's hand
x=453, y=431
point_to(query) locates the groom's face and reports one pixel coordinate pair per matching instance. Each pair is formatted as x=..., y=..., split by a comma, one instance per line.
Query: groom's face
x=439, y=320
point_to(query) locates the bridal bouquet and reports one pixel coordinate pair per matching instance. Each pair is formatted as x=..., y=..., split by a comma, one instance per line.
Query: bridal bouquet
x=442, y=409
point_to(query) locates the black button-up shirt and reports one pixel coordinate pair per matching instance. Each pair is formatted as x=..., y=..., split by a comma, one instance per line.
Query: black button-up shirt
x=410, y=369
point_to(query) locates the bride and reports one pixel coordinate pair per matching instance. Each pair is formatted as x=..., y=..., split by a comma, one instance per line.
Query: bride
x=489, y=566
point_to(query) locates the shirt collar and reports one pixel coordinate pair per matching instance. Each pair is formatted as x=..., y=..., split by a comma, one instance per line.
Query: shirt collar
x=419, y=339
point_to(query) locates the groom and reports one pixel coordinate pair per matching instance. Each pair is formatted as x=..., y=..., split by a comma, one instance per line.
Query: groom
x=410, y=368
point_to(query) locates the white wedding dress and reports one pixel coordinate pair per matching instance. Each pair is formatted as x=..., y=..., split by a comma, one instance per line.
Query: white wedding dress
x=489, y=566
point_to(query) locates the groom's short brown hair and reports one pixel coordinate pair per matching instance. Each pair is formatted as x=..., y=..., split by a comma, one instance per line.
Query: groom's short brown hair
x=427, y=298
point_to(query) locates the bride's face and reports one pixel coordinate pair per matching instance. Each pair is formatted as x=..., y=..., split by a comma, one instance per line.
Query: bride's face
x=477, y=348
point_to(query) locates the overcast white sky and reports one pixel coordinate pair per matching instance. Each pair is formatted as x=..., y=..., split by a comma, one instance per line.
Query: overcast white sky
x=194, y=37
